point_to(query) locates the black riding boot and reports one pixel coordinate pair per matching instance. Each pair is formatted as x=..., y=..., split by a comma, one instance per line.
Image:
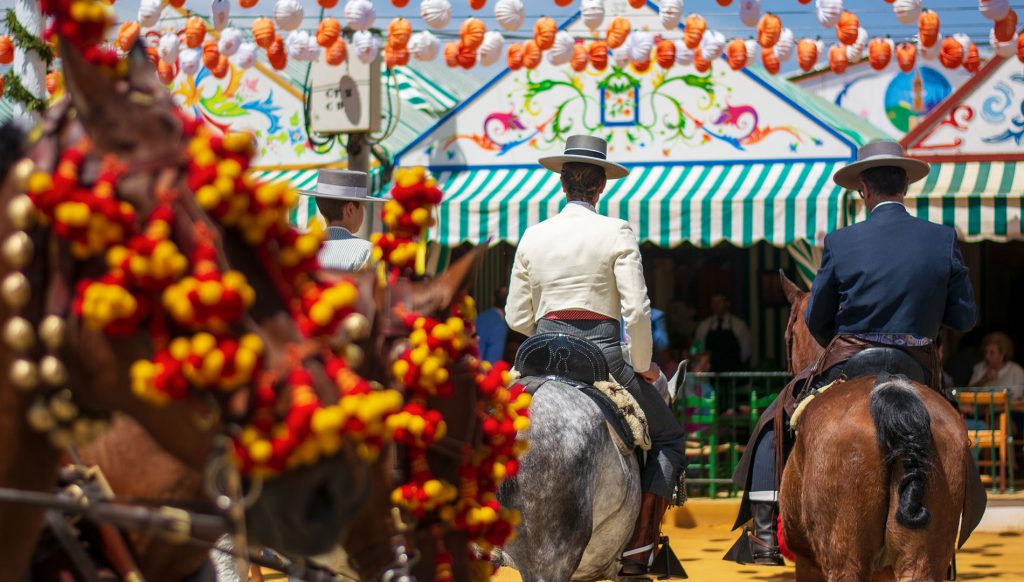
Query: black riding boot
x=764, y=542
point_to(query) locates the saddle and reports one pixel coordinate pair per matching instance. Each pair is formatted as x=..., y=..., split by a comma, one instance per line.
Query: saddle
x=579, y=363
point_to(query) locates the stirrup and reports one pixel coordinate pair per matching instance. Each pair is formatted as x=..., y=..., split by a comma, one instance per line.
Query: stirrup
x=763, y=553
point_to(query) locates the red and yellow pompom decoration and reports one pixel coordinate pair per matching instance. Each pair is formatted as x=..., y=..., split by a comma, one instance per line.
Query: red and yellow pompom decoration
x=107, y=304
x=325, y=307
x=84, y=24
x=208, y=299
x=151, y=260
x=202, y=361
x=407, y=216
x=434, y=346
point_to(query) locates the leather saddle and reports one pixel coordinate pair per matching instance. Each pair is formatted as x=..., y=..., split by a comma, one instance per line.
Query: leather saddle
x=879, y=360
x=576, y=362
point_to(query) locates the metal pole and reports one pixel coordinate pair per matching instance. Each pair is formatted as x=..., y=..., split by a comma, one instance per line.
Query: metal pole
x=359, y=161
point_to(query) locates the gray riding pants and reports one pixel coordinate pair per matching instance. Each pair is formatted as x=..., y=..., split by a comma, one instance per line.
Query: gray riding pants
x=668, y=442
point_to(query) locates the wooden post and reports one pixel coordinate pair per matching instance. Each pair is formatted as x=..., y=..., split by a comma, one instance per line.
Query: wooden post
x=359, y=161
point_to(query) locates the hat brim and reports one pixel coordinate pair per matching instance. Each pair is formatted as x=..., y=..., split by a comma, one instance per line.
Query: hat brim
x=849, y=176
x=612, y=171
x=316, y=194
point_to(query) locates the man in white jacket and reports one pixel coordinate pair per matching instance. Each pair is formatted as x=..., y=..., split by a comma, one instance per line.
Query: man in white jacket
x=577, y=273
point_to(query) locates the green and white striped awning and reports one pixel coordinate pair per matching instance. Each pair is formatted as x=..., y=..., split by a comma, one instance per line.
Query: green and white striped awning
x=981, y=200
x=666, y=205
x=305, y=179
x=419, y=91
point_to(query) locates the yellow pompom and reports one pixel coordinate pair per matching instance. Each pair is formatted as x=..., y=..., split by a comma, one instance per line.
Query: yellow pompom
x=433, y=488
x=210, y=292
x=321, y=313
x=252, y=342
x=202, y=343
x=261, y=450
x=40, y=182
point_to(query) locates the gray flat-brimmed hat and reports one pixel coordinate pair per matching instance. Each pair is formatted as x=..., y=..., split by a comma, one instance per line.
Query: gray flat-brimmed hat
x=878, y=154
x=586, y=149
x=342, y=185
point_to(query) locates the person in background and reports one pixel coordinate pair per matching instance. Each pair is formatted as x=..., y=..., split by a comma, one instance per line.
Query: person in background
x=341, y=197
x=997, y=369
x=491, y=328
x=726, y=336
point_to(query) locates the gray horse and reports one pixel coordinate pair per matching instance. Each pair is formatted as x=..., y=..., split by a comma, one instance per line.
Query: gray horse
x=578, y=494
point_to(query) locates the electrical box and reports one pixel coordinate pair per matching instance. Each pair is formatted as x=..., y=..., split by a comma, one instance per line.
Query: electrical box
x=345, y=98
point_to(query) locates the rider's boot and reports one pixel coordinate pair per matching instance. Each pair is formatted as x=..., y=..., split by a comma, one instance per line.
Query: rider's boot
x=764, y=542
x=636, y=560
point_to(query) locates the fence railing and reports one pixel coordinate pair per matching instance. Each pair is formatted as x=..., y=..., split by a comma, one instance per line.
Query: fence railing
x=989, y=415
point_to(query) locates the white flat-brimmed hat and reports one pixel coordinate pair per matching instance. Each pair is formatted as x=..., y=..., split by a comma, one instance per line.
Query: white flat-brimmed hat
x=878, y=154
x=586, y=149
x=342, y=185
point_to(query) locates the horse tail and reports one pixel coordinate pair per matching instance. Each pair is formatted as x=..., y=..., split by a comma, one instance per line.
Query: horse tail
x=903, y=429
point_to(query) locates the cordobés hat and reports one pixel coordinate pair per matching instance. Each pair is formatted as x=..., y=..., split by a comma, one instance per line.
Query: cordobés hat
x=879, y=154
x=342, y=185
x=587, y=150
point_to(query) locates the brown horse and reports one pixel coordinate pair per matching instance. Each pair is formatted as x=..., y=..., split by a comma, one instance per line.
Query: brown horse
x=875, y=484
x=133, y=120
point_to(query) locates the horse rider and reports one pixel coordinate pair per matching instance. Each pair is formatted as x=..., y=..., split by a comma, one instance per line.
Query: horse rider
x=893, y=281
x=341, y=196
x=577, y=273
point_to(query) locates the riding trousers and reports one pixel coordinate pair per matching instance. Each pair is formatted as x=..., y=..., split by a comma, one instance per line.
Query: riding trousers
x=668, y=444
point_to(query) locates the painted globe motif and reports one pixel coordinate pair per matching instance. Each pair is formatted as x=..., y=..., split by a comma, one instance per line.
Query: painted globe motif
x=912, y=95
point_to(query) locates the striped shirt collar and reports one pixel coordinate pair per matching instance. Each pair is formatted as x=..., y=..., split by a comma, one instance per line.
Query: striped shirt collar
x=339, y=233
x=586, y=205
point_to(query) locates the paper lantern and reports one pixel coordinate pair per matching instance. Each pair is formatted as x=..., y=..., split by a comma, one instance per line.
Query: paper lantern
x=952, y=53
x=195, y=32
x=907, y=11
x=168, y=48
x=724, y=3
x=514, y=56
x=1006, y=28
x=828, y=12
x=561, y=50
x=906, y=55
x=366, y=45
x=328, y=31
x=149, y=12
x=165, y=72
x=295, y=44
x=580, y=58
x=620, y=56
x=736, y=54
x=531, y=54
x=641, y=44
x=806, y=54
x=491, y=48
x=769, y=28
x=1020, y=47
x=695, y=28
x=846, y=29
x=769, y=60
x=753, y=49
x=230, y=40
x=478, y=4
x=188, y=61
x=247, y=3
x=263, y=32
x=879, y=53
x=930, y=53
x=684, y=54
x=127, y=34
x=2, y=83
x=451, y=53
x=973, y=60
x=336, y=53
x=424, y=46
x=288, y=14
x=7, y=45
x=785, y=45
x=665, y=53
x=671, y=13
x=327, y=4
x=750, y=10
x=220, y=10
x=360, y=14
x=436, y=13
x=210, y=54
x=395, y=56
x=544, y=32
x=638, y=4
x=245, y=56
x=592, y=12
x=1003, y=49
x=53, y=82
x=928, y=28
x=837, y=60
x=510, y=14
x=855, y=51
x=220, y=70
x=618, y=32
x=472, y=32
x=700, y=64
x=152, y=55
x=712, y=45
x=994, y=10
x=597, y=52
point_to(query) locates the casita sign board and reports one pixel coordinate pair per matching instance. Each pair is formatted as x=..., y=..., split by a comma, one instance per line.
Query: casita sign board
x=343, y=99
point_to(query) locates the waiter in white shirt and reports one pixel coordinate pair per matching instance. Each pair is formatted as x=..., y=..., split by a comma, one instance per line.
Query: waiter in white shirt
x=341, y=196
x=575, y=273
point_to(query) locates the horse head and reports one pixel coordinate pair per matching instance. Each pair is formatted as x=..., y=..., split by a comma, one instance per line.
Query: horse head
x=802, y=349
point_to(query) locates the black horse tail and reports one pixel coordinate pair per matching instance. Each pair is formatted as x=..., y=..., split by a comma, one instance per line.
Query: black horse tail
x=903, y=428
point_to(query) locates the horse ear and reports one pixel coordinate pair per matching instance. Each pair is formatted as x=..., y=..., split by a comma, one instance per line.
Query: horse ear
x=437, y=294
x=793, y=293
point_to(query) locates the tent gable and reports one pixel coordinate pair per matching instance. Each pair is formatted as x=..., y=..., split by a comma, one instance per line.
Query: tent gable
x=652, y=117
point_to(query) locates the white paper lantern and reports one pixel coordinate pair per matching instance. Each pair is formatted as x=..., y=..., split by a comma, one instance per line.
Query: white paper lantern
x=620, y=56
x=965, y=41
x=671, y=13
x=168, y=48
x=511, y=14
x=295, y=44
x=149, y=12
x=932, y=52
x=424, y=46
x=492, y=48
x=220, y=10
x=560, y=53
x=750, y=12
x=189, y=60
x=360, y=14
x=366, y=44
x=994, y=10
x=288, y=14
x=245, y=56
x=1003, y=49
x=641, y=46
x=712, y=45
x=785, y=45
x=753, y=47
x=821, y=48
x=592, y=12
x=684, y=54
x=907, y=11
x=229, y=41
x=436, y=13
x=828, y=12
x=853, y=54
x=862, y=39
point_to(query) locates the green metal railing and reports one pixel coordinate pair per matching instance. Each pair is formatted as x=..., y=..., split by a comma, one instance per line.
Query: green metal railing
x=987, y=413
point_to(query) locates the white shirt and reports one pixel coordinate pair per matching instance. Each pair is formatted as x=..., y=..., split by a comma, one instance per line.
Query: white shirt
x=1011, y=375
x=732, y=323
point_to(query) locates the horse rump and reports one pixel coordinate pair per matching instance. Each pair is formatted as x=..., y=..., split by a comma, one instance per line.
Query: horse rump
x=903, y=429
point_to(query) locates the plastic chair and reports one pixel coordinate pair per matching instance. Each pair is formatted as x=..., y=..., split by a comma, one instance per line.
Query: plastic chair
x=986, y=413
x=709, y=460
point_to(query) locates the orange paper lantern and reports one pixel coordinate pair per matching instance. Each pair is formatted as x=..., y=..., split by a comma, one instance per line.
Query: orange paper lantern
x=195, y=32
x=770, y=60
x=327, y=4
x=638, y=4
x=641, y=66
x=906, y=56
x=53, y=82
x=399, y=33
x=837, y=59
x=580, y=58
x=951, y=54
x=466, y=56
x=127, y=34
x=477, y=4
x=1007, y=27
x=152, y=55
x=618, y=30
x=247, y=3
x=928, y=28
x=973, y=60
x=336, y=53
x=724, y=2
x=700, y=64
x=563, y=3
x=276, y=54
x=328, y=31
x=210, y=54
x=471, y=35
x=846, y=29
x=451, y=53
x=220, y=70
x=695, y=27
x=769, y=28
x=263, y=32
x=598, y=53
x=736, y=54
x=531, y=54
x=177, y=3
x=399, y=3
x=1020, y=47
x=165, y=72
x=396, y=56
x=806, y=54
x=544, y=33
x=514, y=57
x=6, y=50
x=665, y=54
x=879, y=53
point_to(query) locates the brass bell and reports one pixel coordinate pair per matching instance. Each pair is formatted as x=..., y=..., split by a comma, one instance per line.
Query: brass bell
x=354, y=356
x=82, y=431
x=40, y=418
x=18, y=250
x=357, y=326
x=19, y=335
x=16, y=291
x=52, y=331
x=62, y=407
x=21, y=212
x=22, y=171
x=53, y=371
x=61, y=438
x=24, y=374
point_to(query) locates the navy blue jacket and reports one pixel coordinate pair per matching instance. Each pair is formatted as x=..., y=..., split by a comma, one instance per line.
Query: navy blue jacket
x=892, y=273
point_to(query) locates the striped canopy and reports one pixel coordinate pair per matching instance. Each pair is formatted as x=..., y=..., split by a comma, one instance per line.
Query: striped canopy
x=667, y=205
x=981, y=200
